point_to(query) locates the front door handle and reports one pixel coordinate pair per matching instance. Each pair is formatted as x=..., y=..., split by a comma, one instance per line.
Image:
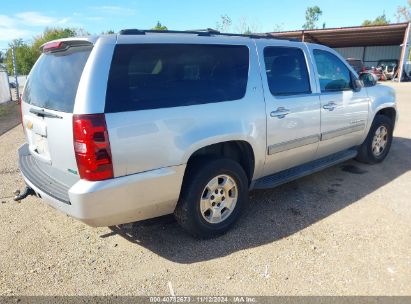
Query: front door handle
x=330, y=106
x=281, y=112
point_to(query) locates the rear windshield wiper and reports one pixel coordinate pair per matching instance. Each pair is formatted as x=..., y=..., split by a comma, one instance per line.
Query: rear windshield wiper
x=43, y=113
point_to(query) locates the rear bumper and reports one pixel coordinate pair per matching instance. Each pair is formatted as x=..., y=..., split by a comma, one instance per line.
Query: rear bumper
x=110, y=202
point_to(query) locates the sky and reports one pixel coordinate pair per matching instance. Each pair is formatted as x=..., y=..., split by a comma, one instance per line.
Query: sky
x=25, y=19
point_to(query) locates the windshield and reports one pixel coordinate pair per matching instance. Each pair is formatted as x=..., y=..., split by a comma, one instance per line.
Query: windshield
x=53, y=82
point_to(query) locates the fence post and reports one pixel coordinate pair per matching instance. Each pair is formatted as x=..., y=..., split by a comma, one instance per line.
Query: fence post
x=404, y=52
x=13, y=55
x=8, y=83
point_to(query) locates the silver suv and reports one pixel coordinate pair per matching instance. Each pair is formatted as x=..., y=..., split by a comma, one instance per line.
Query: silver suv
x=126, y=127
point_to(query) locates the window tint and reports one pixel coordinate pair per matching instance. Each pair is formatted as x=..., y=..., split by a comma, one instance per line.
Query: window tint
x=150, y=76
x=332, y=72
x=287, y=72
x=54, y=80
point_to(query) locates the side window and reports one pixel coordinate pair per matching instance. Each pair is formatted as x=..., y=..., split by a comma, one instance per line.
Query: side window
x=152, y=76
x=332, y=72
x=286, y=70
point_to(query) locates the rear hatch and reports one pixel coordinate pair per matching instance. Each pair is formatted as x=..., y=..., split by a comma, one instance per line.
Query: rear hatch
x=48, y=103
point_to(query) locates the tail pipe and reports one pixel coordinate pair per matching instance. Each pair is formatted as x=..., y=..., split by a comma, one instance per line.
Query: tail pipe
x=22, y=195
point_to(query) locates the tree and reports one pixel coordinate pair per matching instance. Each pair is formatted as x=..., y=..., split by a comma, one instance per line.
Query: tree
x=160, y=27
x=404, y=13
x=380, y=20
x=224, y=24
x=27, y=54
x=80, y=32
x=312, y=14
x=25, y=58
x=278, y=27
x=1, y=57
x=243, y=26
x=246, y=28
x=52, y=34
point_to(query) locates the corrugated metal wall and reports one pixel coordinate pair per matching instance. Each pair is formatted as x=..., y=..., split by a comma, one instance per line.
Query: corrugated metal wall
x=375, y=53
x=372, y=53
x=351, y=52
x=4, y=87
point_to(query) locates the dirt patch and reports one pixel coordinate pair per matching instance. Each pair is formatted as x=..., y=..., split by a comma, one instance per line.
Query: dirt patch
x=301, y=238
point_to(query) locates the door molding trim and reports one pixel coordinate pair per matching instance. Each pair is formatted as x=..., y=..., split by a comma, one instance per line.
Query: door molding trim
x=312, y=139
x=342, y=131
x=292, y=144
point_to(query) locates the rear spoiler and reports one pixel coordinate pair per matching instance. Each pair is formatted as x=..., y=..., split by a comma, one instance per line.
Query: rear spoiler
x=64, y=44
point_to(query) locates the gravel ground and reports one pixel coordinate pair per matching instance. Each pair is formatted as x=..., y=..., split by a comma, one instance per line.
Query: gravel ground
x=343, y=231
x=9, y=116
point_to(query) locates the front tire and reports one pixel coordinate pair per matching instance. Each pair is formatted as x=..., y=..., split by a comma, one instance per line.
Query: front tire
x=214, y=193
x=378, y=142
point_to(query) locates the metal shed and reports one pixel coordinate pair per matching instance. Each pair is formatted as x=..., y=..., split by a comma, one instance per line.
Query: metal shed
x=369, y=43
x=5, y=94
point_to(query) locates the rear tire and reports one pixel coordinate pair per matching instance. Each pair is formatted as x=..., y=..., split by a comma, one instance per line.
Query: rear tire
x=214, y=194
x=378, y=142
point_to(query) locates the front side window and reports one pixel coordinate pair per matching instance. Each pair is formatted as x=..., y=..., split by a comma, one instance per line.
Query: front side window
x=286, y=70
x=152, y=76
x=332, y=72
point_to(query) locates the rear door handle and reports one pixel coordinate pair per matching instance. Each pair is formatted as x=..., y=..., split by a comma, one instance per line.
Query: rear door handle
x=281, y=112
x=330, y=106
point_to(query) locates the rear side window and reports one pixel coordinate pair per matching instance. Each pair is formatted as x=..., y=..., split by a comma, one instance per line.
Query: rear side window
x=54, y=80
x=286, y=70
x=333, y=74
x=151, y=76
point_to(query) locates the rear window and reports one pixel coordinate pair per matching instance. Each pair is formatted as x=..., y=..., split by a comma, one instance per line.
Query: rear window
x=54, y=80
x=151, y=76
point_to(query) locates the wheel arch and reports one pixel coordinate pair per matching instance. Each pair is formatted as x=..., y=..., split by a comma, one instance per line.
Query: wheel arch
x=390, y=112
x=240, y=151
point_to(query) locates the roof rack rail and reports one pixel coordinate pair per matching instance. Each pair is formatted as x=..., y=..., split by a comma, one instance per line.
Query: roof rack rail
x=209, y=30
x=131, y=32
x=203, y=32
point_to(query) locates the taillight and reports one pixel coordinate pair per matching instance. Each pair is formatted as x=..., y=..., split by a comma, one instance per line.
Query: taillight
x=92, y=147
x=51, y=46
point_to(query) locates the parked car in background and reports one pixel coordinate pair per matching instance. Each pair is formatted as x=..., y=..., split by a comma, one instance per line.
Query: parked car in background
x=356, y=64
x=385, y=69
x=13, y=85
x=388, y=67
x=377, y=72
x=368, y=74
x=126, y=127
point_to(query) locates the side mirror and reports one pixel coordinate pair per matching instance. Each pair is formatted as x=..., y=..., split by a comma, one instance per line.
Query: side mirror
x=357, y=85
x=368, y=79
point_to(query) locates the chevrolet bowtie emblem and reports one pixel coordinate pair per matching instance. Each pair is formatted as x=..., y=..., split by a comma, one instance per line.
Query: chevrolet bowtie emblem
x=29, y=125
